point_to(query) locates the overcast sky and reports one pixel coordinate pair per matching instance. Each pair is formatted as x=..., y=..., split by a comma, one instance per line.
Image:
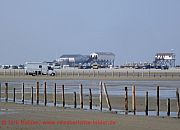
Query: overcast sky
x=39, y=30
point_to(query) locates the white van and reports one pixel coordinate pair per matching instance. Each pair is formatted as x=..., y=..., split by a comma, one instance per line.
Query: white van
x=38, y=68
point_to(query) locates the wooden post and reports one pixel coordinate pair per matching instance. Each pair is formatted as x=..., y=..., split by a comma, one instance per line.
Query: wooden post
x=0, y=92
x=37, y=92
x=75, y=100
x=81, y=96
x=119, y=74
x=112, y=73
x=90, y=99
x=149, y=73
x=168, y=107
x=31, y=95
x=157, y=100
x=72, y=73
x=78, y=74
x=23, y=93
x=14, y=73
x=133, y=99
x=107, y=97
x=126, y=99
x=55, y=94
x=19, y=73
x=63, y=97
x=60, y=73
x=89, y=73
x=133, y=73
x=177, y=100
x=100, y=96
x=14, y=95
x=142, y=74
x=45, y=96
x=146, y=104
x=6, y=92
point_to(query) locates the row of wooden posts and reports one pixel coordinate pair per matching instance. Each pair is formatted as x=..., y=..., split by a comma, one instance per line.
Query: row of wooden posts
x=102, y=87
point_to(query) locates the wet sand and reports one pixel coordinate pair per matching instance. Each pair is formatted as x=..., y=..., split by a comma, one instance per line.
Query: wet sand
x=117, y=102
x=12, y=113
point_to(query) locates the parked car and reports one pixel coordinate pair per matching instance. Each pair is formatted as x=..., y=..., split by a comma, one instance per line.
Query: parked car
x=6, y=66
x=21, y=67
x=13, y=67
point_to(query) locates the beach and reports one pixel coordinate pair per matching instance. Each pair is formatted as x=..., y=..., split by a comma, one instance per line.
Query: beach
x=13, y=115
x=27, y=116
x=115, y=91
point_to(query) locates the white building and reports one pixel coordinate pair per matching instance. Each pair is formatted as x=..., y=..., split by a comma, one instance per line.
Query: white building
x=103, y=58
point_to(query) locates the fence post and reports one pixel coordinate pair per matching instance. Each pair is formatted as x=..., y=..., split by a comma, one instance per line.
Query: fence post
x=6, y=92
x=149, y=73
x=90, y=99
x=45, y=96
x=60, y=73
x=14, y=73
x=14, y=95
x=107, y=97
x=81, y=96
x=112, y=73
x=63, y=97
x=126, y=100
x=54, y=94
x=78, y=74
x=75, y=100
x=146, y=104
x=157, y=100
x=37, y=93
x=178, y=104
x=31, y=95
x=100, y=96
x=0, y=91
x=89, y=73
x=133, y=99
x=23, y=93
x=168, y=107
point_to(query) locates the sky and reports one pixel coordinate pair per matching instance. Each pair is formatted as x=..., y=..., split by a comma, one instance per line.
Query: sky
x=43, y=30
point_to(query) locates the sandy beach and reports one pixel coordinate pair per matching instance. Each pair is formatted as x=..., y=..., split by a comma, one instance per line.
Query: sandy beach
x=16, y=116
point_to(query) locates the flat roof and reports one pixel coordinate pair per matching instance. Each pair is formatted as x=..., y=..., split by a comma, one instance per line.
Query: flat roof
x=165, y=53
